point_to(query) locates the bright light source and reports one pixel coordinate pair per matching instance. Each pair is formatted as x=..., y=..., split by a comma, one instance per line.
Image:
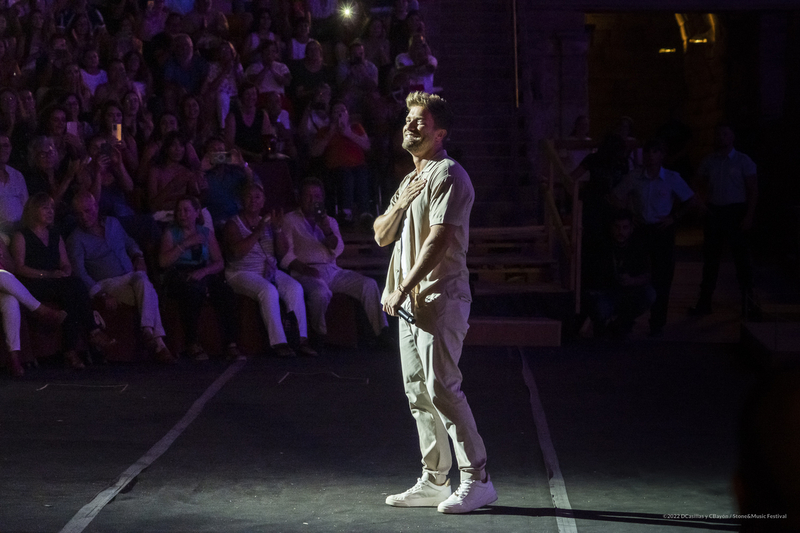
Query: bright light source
x=347, y=11
x=696, y=41
x=666, y=51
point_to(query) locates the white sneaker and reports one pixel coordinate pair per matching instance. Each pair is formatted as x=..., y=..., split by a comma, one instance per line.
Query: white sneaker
x=470, y=495
x=423, y=494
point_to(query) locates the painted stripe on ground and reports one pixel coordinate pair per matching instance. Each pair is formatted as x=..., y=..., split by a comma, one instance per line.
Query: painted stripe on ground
x=83, y=517
x=558, y=490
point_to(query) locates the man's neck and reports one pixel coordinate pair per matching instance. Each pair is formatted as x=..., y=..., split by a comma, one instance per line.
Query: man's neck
x=725, y=150
x=652, y=172
x=420, y=160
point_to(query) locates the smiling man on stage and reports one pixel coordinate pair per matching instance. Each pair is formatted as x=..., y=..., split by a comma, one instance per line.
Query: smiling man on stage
x=428, y=222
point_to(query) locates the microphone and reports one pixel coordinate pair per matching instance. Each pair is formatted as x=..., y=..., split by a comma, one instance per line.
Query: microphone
x=405, y=315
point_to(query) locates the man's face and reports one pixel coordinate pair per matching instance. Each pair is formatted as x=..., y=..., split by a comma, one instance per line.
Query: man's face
x=5, y=149
x=86, y=212
x=357, y=54
x=183, y=48
x=621, y=231
x=60, y=45
x=311, y=196
x=58, y=122
x=723, y=137
x=420, y=135
x=653, y=157
x=339, y=113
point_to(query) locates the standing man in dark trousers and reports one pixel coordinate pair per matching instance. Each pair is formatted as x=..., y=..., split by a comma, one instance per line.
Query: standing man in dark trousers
x=730, y=183
x=428, y=222
x=657, y=197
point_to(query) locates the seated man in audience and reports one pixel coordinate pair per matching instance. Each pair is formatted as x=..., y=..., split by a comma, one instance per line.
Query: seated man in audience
x=13, y=191
x=184, y=72
x=112, y=266
x=619, y=282
x=314, y=243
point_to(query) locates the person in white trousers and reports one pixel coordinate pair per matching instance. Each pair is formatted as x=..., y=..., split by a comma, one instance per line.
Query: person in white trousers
x=314, y=244
x=254, y=242
x=428, y=222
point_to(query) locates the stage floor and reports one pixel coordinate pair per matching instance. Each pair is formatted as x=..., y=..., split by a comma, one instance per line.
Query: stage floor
x=636, y=431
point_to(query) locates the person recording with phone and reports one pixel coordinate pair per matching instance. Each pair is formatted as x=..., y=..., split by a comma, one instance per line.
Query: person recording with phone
x=314, y=243
x=225, y=175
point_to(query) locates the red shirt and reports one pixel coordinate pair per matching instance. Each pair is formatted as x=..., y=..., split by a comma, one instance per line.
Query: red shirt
x=341, y=151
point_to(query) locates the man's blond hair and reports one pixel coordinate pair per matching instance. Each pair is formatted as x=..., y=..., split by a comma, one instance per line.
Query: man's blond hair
x=436, y=105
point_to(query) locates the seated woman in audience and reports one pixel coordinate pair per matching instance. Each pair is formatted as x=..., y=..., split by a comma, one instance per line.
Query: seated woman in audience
x=33, y=42
x=45, y=176
x=260, y=31
x=10, y=74
x=136, y=120
x=93, y=76
x=71, y=81
x=195, y=128
x=14, y=125
x=115, y=88
x=80, y=36
x=223, y=79
x=72, y=105
x=110, y=117
x=168, y=123
x=41, y=263
x=376, y=44
x=252, y=269
x=12, y=294
x=309, y=74
x=171, y=177
x=112, y=186
x=139, y=73
x=10, y=30
x=68, y=146
x=246, y=125
x=193, y=262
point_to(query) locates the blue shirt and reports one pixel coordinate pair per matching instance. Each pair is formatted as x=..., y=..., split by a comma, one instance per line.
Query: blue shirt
x=726, y=177
x=651, y=200
x=97, y=258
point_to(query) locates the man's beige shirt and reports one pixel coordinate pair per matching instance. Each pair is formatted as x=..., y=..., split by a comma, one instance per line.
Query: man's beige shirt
x=446, y=199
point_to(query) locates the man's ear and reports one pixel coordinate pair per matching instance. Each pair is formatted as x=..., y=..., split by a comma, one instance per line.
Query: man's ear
x=441, y=135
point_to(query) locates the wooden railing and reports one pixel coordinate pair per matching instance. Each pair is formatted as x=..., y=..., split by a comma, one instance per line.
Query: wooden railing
x=568, y=233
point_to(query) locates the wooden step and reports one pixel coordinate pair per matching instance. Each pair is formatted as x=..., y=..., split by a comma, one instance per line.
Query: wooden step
x=513, y=331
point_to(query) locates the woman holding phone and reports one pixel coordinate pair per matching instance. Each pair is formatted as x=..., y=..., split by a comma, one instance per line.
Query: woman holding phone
x=111, y=126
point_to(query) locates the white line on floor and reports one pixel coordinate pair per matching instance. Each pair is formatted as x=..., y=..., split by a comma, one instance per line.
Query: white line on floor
x=558, y=490
x=83, y=517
